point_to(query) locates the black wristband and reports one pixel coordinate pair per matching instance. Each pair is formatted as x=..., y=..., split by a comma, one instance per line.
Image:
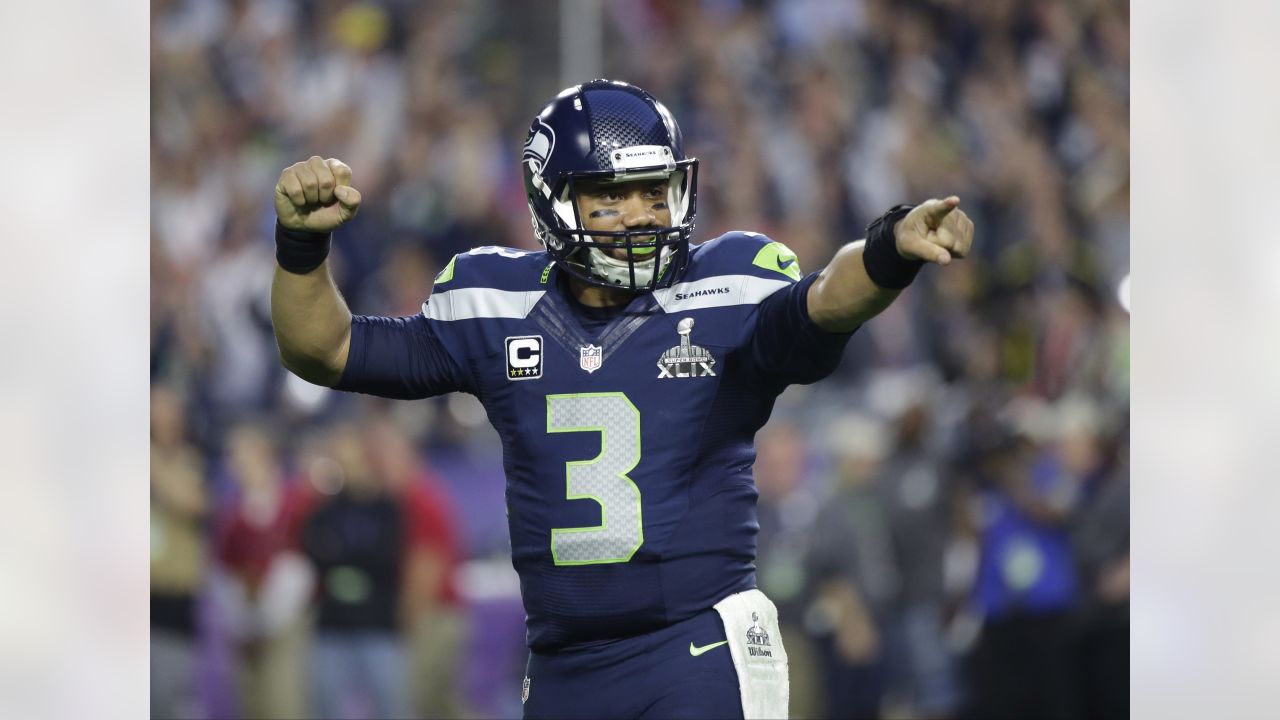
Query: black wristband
x=885, y=266
x=299, y=251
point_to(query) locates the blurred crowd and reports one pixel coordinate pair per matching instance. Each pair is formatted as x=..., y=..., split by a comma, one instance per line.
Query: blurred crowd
x=944, y=522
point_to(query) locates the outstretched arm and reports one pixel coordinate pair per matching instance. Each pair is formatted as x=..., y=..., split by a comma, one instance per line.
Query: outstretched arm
x=845, y=295
x=311, y=320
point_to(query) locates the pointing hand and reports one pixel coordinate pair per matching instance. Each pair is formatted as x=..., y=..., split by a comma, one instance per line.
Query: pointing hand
x=935, y=231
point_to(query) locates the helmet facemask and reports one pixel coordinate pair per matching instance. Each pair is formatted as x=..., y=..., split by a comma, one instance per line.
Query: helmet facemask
x=654, y=256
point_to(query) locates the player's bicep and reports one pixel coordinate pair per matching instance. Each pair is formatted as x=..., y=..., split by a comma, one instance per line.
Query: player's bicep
x=787, y=344
x=402, y=358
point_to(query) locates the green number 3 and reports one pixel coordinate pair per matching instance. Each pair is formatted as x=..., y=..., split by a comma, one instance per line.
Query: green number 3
x=602, y=478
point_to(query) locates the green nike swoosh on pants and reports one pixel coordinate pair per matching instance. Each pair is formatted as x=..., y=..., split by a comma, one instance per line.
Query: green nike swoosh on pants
x=696, y=651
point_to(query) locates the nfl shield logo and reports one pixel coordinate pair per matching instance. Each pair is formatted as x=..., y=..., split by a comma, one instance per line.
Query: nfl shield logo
x=590, y=358
x=524, y=692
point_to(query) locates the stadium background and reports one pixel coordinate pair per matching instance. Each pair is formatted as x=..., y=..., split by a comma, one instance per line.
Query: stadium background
x=978, y=430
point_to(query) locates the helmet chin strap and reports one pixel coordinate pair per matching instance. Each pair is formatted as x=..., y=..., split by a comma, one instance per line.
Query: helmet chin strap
x=617, y=272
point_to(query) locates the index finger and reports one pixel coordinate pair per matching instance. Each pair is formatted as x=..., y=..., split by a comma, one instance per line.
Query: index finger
x=935, y=210
x=341, y=172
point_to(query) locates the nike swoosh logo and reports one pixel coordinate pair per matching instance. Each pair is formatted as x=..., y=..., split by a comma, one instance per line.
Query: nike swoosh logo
x=784, y=264
x=696, y=651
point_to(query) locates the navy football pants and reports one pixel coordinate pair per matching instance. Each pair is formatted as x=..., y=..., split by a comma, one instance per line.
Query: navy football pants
x=649, y=676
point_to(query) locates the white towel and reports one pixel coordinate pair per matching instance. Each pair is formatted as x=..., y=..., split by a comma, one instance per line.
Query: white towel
x=751, y=622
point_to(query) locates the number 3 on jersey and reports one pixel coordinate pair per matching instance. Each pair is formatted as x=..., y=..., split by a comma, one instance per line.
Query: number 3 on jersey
x=603, y=478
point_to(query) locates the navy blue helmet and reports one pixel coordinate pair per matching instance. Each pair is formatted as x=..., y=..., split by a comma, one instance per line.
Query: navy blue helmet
x=610, y=131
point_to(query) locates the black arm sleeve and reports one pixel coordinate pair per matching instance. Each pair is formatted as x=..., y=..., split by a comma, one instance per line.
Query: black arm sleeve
x=787, y=344
x=400, y=358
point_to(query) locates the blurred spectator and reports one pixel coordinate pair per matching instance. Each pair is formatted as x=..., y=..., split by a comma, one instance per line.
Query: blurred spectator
x=855, y=576
x=356, y=540
x=1101, y=540
x=786, y=512
x=179, y=506
x=434, y=622
x=879, y=557
x=919, y=502
x=234, y=297
x=1027, y=584
x=267, y=584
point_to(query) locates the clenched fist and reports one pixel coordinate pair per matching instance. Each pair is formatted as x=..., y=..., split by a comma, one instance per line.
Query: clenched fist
x=316, y=195
x=935, y=231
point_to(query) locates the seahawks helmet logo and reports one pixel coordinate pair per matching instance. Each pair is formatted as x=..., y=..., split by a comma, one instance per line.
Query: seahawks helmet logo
x=539, y=146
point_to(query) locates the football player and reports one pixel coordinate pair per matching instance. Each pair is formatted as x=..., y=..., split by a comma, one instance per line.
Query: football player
x=627, y=371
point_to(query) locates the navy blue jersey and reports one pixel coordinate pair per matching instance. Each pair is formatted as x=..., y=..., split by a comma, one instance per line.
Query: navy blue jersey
x=627, y=437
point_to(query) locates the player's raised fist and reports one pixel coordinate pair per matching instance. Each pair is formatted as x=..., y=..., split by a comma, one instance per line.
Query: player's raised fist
x=316, y=195
x=935, y=231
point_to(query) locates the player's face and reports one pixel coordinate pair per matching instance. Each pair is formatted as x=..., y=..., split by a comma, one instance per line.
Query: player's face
x=624, y=206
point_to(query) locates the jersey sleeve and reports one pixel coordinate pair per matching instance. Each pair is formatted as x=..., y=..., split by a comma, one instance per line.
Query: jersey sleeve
x=402, y=358
x=787, y=344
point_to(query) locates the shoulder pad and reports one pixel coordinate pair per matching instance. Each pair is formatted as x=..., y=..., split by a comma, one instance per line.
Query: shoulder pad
x=499, y=268
x=744, y=253
x=737, y=269
x=488, y=282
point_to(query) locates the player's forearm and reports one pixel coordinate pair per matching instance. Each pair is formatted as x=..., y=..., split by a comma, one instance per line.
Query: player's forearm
x=844, y=296
x=311, y=321
x=312, y=324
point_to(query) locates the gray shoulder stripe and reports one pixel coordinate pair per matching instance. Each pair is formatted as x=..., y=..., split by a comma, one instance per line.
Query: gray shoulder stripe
x=719, y=291
x=471, y=303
